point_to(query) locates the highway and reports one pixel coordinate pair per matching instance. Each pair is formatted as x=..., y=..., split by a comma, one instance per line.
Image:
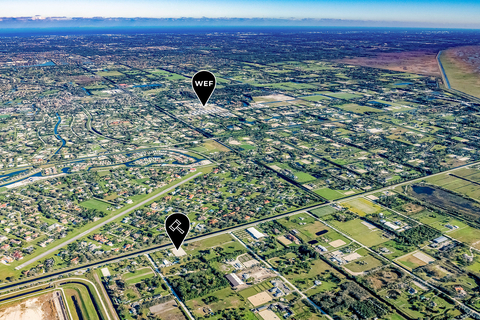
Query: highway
x=101, y=224
x=212, y=234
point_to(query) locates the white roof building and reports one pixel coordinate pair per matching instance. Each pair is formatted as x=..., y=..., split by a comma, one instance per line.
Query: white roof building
x=255, y=233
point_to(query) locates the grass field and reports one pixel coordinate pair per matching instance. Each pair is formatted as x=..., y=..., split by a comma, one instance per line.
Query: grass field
x=323, y=211
x=301, y=177
x=210, y=147
x=227, y=299
x=80, y=293
x=361, y=206
x=358, y=109
x=315, y=98
x=138, y=275
x=360, y=232
x=340, y=95
x=411, y=262
x=290, y=86
x=369, y=261
x=209, y=243
x=110, y=74
x=306, y=280
x=396, y=250
x=95, y=204
x=262, y=286
x=459, y=77
x=168, y=75
x=456, y=184
x=468, y=235
x=329, y=194
x=438, y=221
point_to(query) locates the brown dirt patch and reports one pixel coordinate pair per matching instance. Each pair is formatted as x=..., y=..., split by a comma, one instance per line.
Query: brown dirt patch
x=412, y=208
x=36, y=308
x=420, y=62
x=84, y=80
x=164, y=307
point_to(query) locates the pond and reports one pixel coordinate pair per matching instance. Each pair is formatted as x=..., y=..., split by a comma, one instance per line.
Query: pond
x=421, y=190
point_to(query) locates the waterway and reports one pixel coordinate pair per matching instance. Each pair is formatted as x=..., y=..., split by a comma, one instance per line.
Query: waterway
x=443, y=70
x=127, y=164
x=55, y=130
x=148, y=85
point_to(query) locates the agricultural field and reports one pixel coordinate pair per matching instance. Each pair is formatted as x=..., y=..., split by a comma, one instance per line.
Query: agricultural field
x=362, y=231
x=361, y=206
x=415, y=259
x=366, y=263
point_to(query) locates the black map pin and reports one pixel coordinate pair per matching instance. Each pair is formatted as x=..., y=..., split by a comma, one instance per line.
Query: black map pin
x=177, y=226
x=203, y=83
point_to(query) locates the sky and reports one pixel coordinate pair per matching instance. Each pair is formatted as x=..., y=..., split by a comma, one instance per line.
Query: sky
x=439, y=12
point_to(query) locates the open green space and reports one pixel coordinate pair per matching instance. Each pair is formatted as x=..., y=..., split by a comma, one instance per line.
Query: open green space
x=361, y=206
x=329, y=194
x=363, y=264
x=368, y=234
x=96, y=204
x=253, y=290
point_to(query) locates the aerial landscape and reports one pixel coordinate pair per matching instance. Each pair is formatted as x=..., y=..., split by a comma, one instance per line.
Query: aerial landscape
x=334, y=172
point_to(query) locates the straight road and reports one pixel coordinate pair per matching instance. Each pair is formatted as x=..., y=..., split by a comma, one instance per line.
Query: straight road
x=170, y=287
x=101, y=224
x=107, y=297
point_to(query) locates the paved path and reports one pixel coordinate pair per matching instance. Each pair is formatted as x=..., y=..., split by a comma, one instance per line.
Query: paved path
x=107, y=297
x=101, y=224
x=170, y=287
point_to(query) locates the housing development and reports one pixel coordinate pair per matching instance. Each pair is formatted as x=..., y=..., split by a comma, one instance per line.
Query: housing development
x=331, y=175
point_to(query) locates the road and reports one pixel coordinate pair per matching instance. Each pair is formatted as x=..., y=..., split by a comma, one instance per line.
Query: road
x=170, y=287
x=101, y=224
x=230, y=229
x=107, y=297
x=282, y=277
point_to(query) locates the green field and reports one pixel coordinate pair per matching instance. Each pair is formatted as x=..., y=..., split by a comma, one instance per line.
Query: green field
x=80, y=293
x=395, y=249
x=450, y=182
x=468, y=235
x=305, y=280
x=361, y=206
x=210, y=147
x=329, y=194
x=227, y=299
x=323, y=211
x=315, y=98
x=357, y=230
x=96, y=204
x=460, y=78
x=138, y=275
x=358, y=109
x=110, y=74
x=438, y=221
x=221, y=240
x=265, y=285
x=365, y=263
